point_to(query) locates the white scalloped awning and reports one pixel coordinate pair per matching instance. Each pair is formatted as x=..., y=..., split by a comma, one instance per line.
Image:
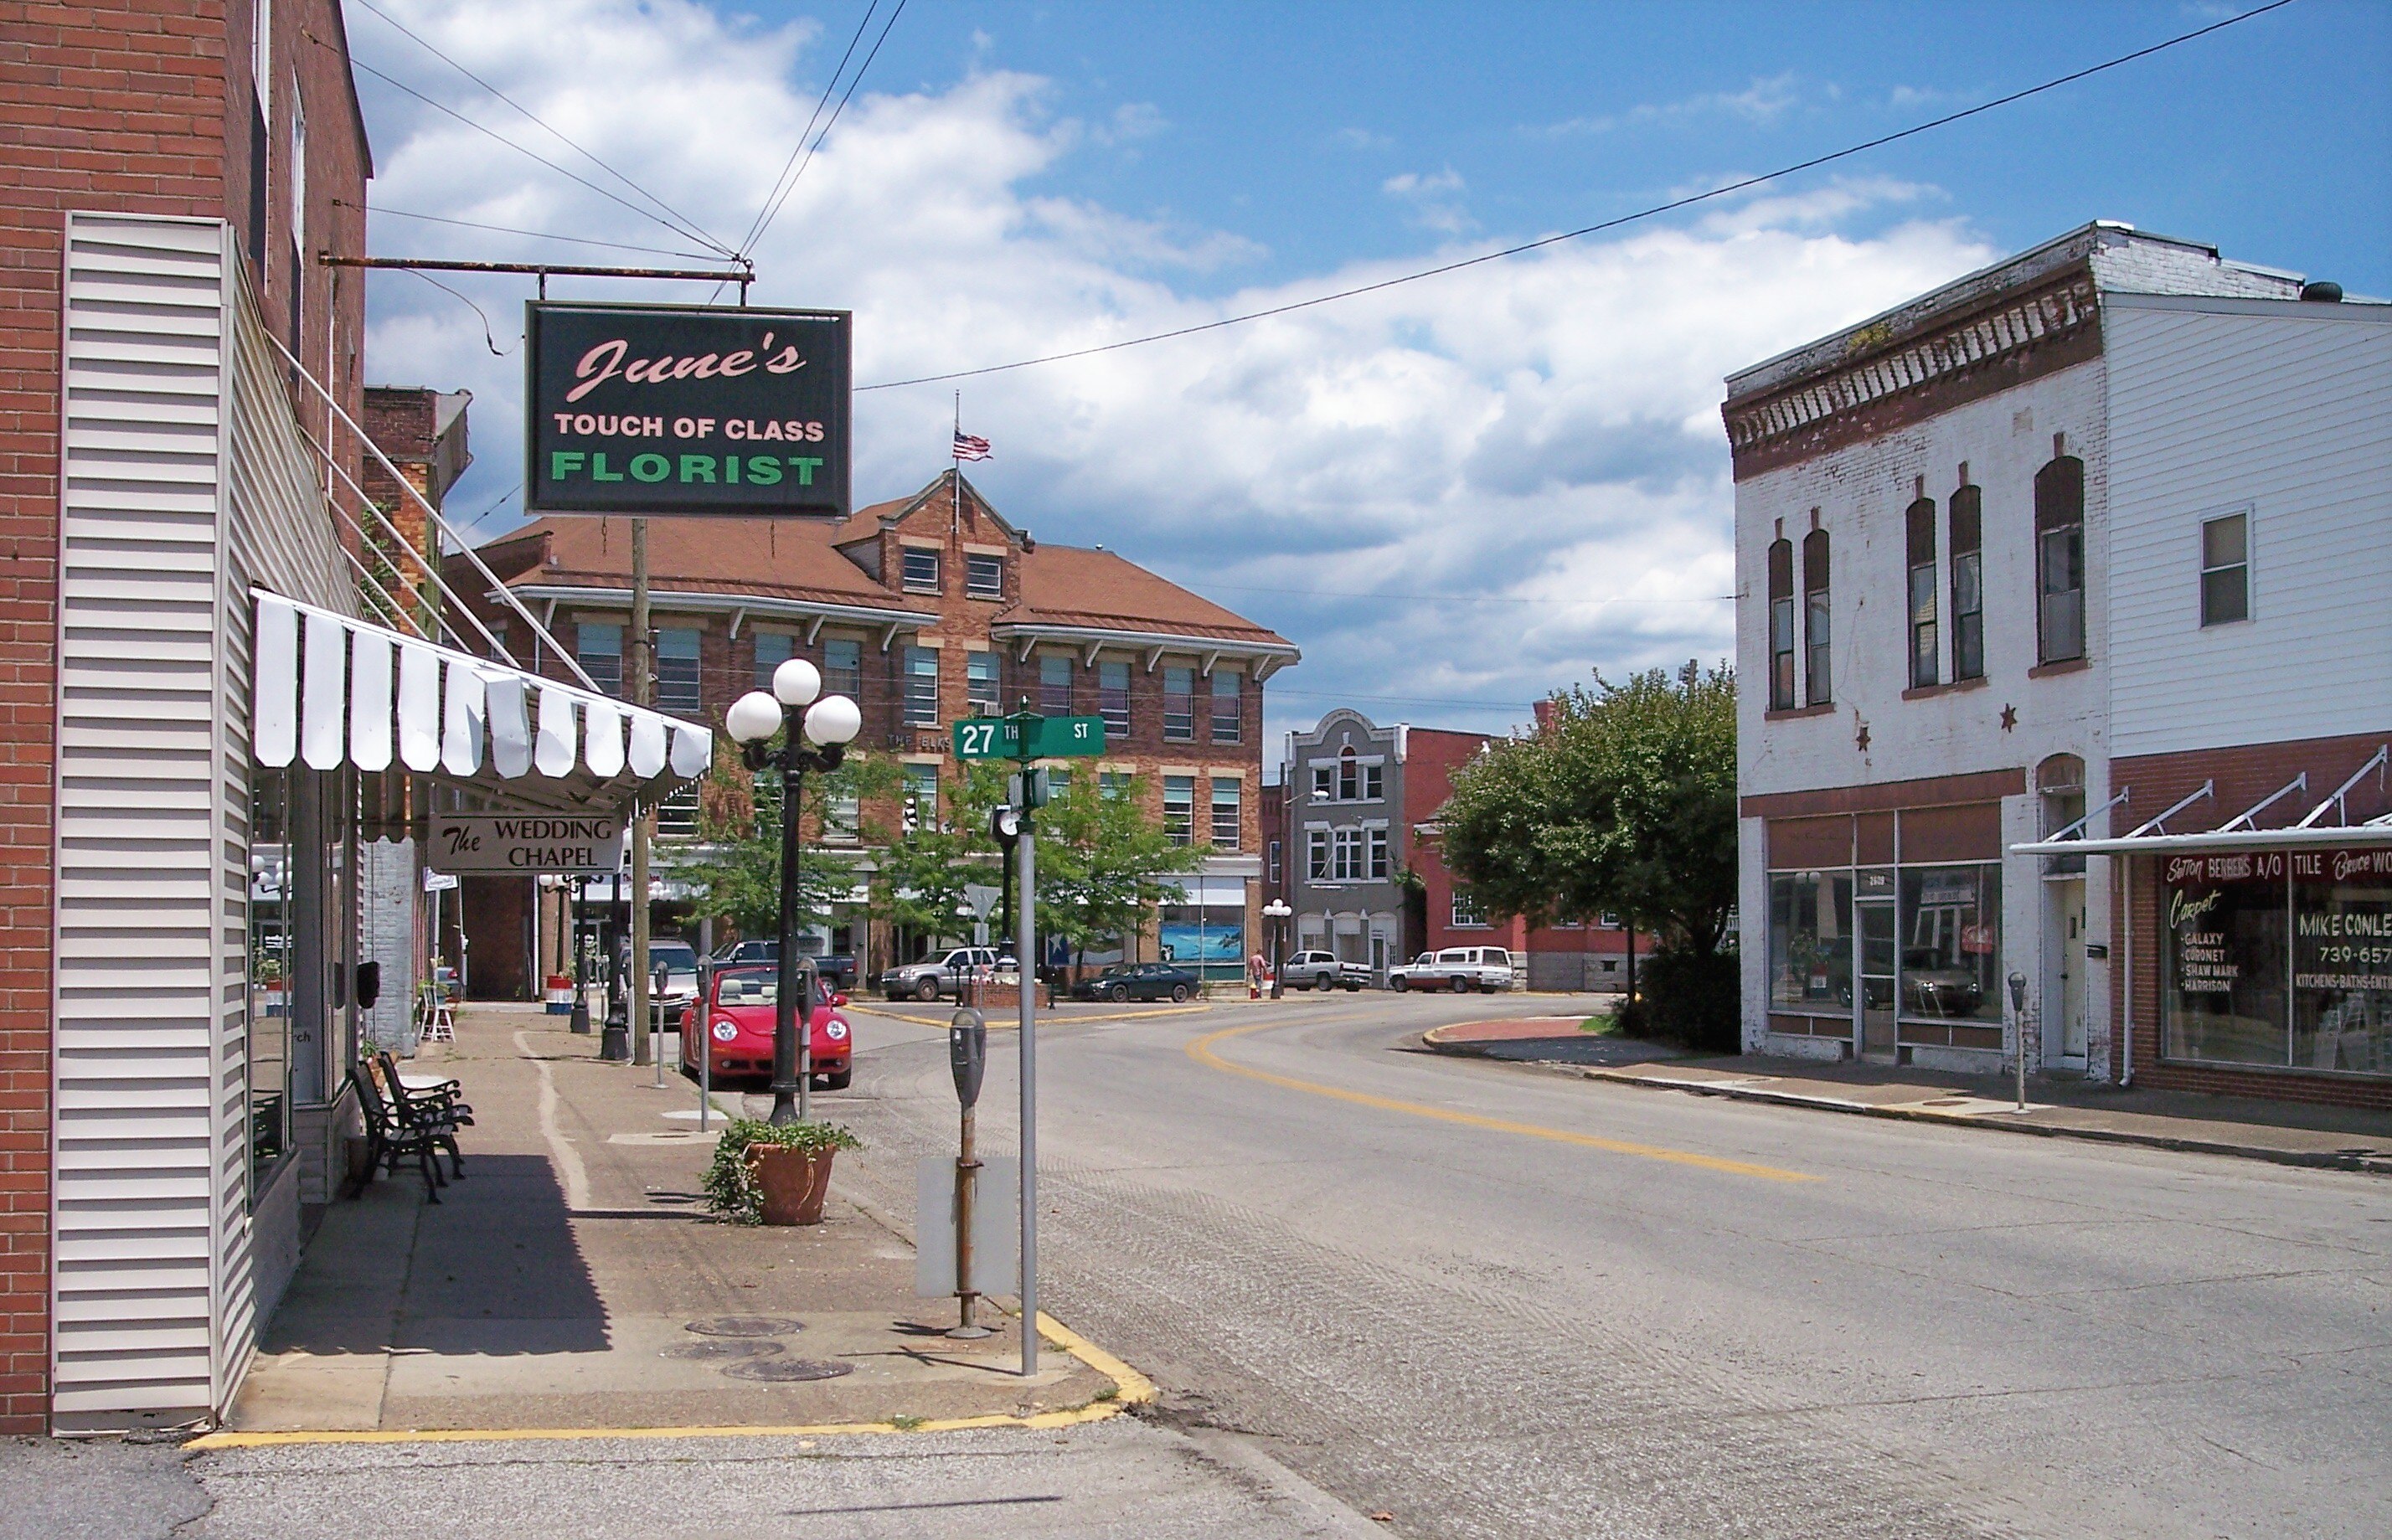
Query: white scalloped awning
x=331, y=691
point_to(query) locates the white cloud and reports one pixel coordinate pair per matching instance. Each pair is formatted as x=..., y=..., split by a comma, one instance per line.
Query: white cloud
x=1763, y=102
x=1541, y=435
x=1436, y=199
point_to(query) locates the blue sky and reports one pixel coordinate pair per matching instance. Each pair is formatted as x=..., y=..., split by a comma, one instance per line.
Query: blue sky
x=1456, y=496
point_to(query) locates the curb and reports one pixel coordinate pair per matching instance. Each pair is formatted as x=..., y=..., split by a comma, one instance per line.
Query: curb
x=999, y=1024
x=1129, y=1389
x=2353, y=1161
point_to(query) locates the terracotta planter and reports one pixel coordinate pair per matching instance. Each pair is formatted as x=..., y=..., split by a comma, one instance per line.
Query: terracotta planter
x=793, y=1182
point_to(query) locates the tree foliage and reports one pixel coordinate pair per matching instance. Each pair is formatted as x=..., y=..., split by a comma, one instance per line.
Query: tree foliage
x=1104, y=862
x=1625, y=802
x=736, y=873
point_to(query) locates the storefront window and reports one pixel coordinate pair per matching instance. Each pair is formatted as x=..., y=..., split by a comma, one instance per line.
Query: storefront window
x=1207, y=938
x=2342, y=962
x=2223, y=993
x=270, y=960
x=1951, y=943
x=1810, y=942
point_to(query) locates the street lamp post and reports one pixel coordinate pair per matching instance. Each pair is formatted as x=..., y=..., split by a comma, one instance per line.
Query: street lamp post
x=1277, y=912
x=816, y=730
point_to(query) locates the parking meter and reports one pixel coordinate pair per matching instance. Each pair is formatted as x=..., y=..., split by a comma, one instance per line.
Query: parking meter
x=968, y=1054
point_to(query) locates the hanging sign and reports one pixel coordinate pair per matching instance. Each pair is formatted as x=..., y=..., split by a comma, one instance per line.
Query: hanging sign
x=660, y=410
x=526, y=843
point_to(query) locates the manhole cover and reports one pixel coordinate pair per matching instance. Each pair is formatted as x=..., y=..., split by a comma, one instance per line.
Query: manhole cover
x=724, y=1347
x=745, y=1326
x=786, y=1368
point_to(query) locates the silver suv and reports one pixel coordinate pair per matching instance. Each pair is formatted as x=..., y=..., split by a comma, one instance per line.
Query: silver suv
x=929, y=980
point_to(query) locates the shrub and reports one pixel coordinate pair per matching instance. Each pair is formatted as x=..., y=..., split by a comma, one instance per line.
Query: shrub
x=1689, y=997
x=729, y=1184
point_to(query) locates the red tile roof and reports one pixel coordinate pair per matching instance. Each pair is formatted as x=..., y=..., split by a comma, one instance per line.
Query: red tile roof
x=768, y=558
x=1102, y=590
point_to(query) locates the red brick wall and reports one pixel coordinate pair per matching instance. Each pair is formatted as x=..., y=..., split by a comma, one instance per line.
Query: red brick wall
x=2244, y=774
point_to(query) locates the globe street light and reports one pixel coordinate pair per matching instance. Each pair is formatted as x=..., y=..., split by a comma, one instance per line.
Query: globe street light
x=816, y=730
x=1277, y=912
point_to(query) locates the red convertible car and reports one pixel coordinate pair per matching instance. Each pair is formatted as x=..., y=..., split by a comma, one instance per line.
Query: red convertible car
x=744, y=1000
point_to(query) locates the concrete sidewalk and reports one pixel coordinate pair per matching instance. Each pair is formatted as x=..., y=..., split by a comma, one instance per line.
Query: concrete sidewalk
x=2286, y=1132
x=573, y=1280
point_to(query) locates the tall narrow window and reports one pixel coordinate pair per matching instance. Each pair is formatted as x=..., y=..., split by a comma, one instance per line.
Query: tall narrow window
x=1376, y=838
x=980, y=683
x=1781, y=625
x=1180, y=704
x=921, y=570
x=1321, y=787
x=1225, y=814
x=2059, y=560
x=2225, y=569
x=1316, y=854
x=1925, y=657
x=1180, y=809
x=677, y=688
x=1818, y=674
x=984, y=576
x=1054, y=685
x=1967, y=584
x=598, y=647
x=921, y=687
x=1349, y=775
x=1228, y=715
x=1112, y=698
x=843, y=669
x=921, y=797
x=772, y=649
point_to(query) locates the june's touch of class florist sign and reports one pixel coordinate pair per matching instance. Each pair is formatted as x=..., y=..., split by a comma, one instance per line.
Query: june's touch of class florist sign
x=526, y=843
x=686, y=410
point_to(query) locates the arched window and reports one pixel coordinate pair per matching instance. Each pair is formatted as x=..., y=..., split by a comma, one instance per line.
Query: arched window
x=2059, y=558
x=1967, y=583
x=2060, y=780
x=1818, y=685
x=1781, y=625
x=1926, y=654
x=1348, y=777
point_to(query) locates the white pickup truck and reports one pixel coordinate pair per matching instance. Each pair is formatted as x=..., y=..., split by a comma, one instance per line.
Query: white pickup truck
x=1323, y=970
x=1455, y=968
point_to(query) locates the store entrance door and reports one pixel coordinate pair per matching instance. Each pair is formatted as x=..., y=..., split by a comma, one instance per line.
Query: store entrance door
x=1877, y=979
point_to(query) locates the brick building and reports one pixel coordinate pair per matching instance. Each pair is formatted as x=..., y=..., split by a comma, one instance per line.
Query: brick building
x=196, y=846
x=924, y=609
x=2065, y=596
x=1365, y=873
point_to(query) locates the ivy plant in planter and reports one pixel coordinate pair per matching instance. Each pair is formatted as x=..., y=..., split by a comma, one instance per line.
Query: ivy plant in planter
x=733, y=1187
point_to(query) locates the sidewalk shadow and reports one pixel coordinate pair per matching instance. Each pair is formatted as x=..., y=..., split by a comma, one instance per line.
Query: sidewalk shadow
x=497, y=1270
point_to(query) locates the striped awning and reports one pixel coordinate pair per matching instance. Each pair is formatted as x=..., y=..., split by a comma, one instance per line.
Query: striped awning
x=329, y=690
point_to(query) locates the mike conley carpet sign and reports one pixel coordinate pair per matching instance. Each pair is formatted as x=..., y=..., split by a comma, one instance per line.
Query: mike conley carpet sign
x=674, y=409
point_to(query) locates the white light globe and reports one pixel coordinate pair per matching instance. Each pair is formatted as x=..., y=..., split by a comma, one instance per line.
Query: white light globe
x=797, y=682
x=753, y=717
x=834, y=720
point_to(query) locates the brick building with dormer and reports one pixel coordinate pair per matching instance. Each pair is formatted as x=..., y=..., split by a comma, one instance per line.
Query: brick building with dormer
x=924, y=609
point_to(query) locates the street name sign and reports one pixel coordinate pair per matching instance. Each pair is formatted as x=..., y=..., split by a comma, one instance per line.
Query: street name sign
x=1028, y=737
x=526, y=843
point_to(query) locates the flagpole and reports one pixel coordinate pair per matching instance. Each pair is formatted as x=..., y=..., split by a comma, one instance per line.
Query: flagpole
x=956, y=448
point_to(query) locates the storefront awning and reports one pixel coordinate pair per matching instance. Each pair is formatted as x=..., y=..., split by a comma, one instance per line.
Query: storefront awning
x=329, y=690
x=2326, y=825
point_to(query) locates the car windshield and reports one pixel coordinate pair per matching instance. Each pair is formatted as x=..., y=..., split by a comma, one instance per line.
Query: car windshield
x=761, y=988
x=678, y=957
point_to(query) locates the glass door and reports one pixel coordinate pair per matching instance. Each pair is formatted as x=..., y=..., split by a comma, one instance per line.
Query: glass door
x=1876, y=995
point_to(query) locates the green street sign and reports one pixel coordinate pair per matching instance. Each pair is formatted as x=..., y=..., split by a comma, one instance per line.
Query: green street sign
x=1027, y=737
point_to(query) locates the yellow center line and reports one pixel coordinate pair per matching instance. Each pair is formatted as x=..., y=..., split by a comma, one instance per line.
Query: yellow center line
x=1201, y=1052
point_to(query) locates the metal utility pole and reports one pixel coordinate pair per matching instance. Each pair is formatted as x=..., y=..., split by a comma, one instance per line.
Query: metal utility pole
x=1025, y=959
x=642, y=677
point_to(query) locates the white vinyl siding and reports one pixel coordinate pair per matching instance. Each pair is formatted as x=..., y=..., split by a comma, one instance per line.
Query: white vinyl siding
x=2283, y=410
x=179, y=461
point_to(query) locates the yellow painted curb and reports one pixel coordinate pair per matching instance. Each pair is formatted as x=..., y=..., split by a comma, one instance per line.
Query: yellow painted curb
x=1131, y=1389
x=1201, y=1052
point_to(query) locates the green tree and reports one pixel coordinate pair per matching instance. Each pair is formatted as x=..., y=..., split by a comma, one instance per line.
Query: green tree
x=734, y=870
x=921, y=873
x=1104, y=862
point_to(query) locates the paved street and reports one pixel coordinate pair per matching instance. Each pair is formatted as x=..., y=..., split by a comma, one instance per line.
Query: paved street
x=1462, y=1294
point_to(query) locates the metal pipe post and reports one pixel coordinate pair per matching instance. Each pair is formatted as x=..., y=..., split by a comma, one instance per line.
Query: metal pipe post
x=642, y=672
x=967, y=1191
x=1026, y=954
x=703, y=1007
x=791, y=1070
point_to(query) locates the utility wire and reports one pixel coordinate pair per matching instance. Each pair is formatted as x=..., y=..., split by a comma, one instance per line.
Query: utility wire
x=537, y=235
x=853, y=81
x=1474, y=598
x=483, y=128
x=496, y=351
x=755, y=226
x=1674, y=205
x=690, y=225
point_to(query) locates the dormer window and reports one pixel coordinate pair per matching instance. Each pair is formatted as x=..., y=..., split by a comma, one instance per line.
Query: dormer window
x=920, y=571
x=984, y=576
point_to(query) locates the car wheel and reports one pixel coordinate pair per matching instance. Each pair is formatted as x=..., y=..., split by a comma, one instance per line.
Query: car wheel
x=1399, y=983
x=839, y=1079
x=1118, y=993
x=926, y=991
x=1178, y=994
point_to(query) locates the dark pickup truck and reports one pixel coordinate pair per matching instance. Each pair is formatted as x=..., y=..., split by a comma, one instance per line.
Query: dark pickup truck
x=838, y=968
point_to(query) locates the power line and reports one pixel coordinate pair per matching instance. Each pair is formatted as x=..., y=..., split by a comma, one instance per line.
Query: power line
x=496, y=351
x=691, y=230
x=853, y=81
x=1393, y=700
x=1674, y=205
x=1474, y=598
x=755, y=226
x=537, y=235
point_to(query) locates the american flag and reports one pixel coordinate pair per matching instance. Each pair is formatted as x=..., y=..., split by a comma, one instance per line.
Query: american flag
x=970, y=448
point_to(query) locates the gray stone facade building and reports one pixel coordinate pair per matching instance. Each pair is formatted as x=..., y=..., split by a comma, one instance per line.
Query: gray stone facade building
x=1346, y=861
